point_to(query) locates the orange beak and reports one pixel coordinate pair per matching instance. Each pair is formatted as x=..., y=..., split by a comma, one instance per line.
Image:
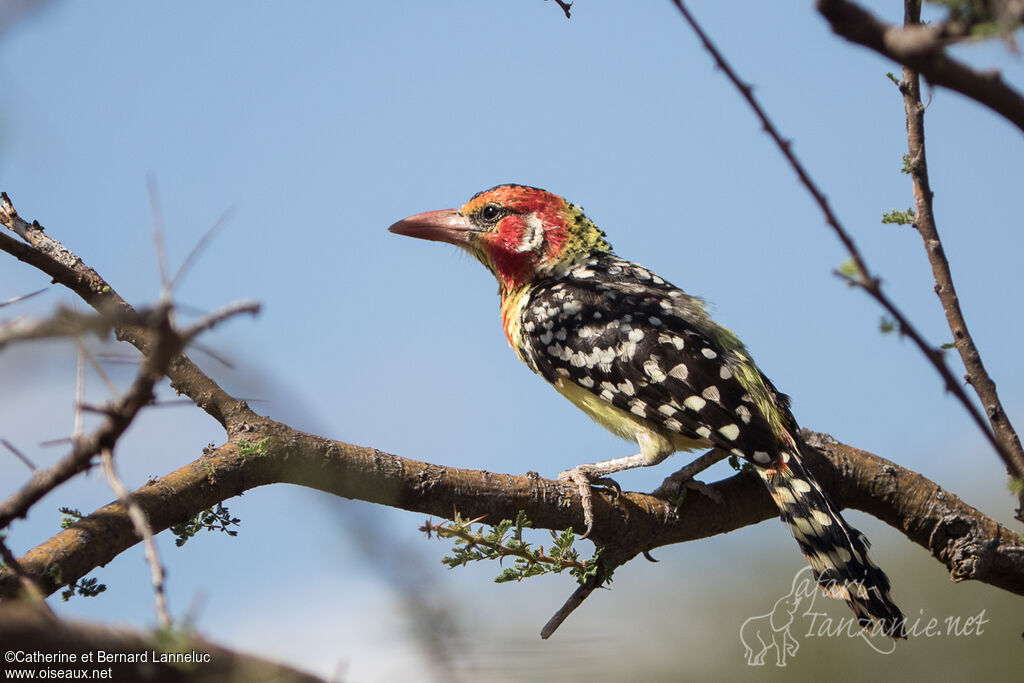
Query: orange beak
x=447, y=225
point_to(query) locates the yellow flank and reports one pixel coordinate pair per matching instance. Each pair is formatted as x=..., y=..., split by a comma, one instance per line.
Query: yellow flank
x=512, y=305
x=625, y=424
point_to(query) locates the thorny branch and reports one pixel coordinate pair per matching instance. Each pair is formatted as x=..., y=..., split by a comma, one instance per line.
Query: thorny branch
x=864, y=278
x=924, y=220
x=166, y=343
x=52, y=258
x=119, y=415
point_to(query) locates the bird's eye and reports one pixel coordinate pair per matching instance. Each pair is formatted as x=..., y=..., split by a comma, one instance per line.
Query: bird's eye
x=490, y=213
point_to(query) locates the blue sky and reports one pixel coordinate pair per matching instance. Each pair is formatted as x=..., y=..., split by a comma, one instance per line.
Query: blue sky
x=319, y=124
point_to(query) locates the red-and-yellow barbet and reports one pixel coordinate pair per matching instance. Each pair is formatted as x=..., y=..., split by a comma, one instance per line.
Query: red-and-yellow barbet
x=645, y=360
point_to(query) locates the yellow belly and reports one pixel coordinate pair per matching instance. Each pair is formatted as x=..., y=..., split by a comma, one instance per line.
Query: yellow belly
x=625, y=424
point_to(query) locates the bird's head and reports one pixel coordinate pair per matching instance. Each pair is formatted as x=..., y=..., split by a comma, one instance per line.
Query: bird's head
x=520, y=233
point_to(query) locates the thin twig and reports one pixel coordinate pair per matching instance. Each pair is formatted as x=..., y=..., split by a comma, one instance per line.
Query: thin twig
x=76, y=430
x=568, y=607
x=60, y=441
x=924, y=220
x=566, y=7
x=18, y=454
x=221, y=314
x=156, y=215
x=145, y=532
x=16, y=299
x=203, y=348
x=864, y=279
x=83, y=349
x=118, y=358
x=98, y=410
x=198, y=249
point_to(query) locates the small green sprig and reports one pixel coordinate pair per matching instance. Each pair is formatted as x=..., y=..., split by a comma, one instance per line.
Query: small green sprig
x=506, y=540
x=850, y=271
x=248, y=449
x=69, y=517
x=899, y=217
x=217, y=518
x=87, y=588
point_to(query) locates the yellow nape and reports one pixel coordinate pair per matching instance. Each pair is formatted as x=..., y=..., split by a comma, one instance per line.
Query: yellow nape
x=653, y=439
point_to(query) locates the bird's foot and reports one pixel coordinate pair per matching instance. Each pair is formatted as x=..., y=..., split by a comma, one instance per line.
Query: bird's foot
x=584, y=479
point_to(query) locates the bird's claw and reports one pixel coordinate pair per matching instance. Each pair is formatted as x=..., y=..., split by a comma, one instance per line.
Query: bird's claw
x=584, y=481
x=702, y=488
x=609, y=484
x=675, y=487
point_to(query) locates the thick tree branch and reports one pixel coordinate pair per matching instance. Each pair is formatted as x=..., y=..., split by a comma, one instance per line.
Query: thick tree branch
x=922, y=49
x=970, y=544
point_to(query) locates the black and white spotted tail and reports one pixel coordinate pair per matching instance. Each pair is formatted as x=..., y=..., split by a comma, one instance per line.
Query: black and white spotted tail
x=837, y=553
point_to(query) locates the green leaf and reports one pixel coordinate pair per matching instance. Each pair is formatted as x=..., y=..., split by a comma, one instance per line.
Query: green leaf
x=899, y=217
x=217, y=518
x=69, y=516
x=849, y=270
x=256, y=450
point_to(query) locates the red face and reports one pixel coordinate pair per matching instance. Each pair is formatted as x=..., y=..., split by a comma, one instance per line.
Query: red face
x=512, y=229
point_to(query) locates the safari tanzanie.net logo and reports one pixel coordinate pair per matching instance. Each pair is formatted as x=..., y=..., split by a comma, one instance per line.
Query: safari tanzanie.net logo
x=777, y=633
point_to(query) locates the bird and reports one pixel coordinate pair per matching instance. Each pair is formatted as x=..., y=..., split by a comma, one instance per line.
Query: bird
x=646, y=361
